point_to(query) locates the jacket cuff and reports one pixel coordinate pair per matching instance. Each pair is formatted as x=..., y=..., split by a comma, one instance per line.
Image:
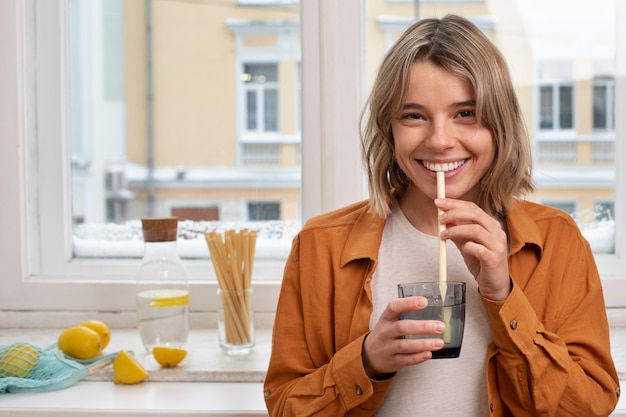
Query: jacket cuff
x=355, y=388
x=513, y=322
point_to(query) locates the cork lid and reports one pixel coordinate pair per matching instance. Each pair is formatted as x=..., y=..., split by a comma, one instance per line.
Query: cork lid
x=159, y=229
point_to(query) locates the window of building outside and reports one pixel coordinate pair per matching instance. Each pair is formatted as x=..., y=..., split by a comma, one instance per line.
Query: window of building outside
x=207, y=111
x=556, y=107
x=261, y=103
x=604, y=103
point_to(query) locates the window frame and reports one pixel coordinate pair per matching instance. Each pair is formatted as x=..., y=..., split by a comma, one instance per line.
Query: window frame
x=40, y=273
x=36, y=197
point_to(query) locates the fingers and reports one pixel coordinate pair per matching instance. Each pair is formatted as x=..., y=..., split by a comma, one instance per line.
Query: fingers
x=386, y=349
x=473, y=230
x=482, y=242
x=402, y=305
x=465, y=213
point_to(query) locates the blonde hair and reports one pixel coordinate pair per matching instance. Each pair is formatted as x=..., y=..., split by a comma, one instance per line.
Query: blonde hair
x=458, y=46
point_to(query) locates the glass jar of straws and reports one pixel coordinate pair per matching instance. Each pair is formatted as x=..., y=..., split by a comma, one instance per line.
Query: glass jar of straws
x=233, y=256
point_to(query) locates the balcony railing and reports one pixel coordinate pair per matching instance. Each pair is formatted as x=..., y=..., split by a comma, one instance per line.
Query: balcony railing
x=576, y=150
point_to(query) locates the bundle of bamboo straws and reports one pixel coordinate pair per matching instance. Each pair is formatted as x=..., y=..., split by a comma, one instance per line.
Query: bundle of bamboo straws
x=233, y=258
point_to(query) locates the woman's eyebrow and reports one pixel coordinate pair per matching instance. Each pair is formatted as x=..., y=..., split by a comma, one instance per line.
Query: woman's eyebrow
x=412, y=106
x=417, y=106
x=466, y=103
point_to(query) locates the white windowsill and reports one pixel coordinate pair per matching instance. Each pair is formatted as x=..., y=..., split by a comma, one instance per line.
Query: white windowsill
x=208, y=382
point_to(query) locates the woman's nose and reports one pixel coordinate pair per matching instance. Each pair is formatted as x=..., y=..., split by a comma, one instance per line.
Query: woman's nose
x=441, y=136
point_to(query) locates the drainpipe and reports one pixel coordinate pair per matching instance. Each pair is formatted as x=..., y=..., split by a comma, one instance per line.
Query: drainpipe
x=149, y=110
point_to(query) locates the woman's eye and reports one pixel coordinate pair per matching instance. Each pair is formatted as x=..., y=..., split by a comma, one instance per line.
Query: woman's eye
x=466, y=113
x=412, y=116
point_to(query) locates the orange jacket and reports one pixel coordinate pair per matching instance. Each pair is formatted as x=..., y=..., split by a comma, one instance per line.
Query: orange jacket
x=551, y=349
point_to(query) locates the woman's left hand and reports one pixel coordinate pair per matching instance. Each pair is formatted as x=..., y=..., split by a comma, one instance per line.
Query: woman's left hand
x=482, y=243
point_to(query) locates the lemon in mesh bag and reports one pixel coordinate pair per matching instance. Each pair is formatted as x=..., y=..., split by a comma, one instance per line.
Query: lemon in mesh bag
x=27, y=368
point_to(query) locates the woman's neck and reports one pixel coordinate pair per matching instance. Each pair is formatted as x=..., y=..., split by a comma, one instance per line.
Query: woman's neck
x=420, y=211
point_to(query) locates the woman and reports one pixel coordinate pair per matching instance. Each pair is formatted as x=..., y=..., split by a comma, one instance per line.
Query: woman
x=536, y=338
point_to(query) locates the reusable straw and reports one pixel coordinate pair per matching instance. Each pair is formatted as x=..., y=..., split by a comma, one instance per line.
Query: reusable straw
x=443, y=270
x=441, y=193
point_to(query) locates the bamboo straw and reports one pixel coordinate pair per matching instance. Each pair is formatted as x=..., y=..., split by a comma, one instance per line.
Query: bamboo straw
x=232, y=257
x=443, y=263
x=441, y=193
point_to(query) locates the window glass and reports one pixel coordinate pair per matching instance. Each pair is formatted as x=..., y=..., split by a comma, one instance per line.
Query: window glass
x=179, y=110
x=566, y=107
x=604, y=103
x=187, y=109
x=567, y=92
x=75, y=186
x=600, y=109
x=261, y=85
x=546, y=120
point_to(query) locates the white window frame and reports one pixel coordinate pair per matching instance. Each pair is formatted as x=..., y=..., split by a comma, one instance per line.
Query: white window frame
x=38, y=270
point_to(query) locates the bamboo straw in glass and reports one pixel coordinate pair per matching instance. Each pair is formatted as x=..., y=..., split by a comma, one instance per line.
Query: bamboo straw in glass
x=232, y=258
x=443, y=263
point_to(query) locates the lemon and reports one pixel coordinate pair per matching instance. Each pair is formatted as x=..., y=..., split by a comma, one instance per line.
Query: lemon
x=101, y=328
x=18, y=360
x=168, y=357
x=79, y=342
x=127, y=370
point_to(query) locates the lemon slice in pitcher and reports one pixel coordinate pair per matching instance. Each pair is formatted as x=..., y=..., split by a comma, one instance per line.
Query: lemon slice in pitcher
x=169, y=298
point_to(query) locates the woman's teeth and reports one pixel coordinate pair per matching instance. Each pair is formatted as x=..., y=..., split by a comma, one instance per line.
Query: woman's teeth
x=445, y=167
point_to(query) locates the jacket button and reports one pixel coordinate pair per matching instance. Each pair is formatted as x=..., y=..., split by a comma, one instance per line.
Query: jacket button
x=513, y=324
x=491, y=407
x=618, y=391
x=266, y=393
x=359, y=390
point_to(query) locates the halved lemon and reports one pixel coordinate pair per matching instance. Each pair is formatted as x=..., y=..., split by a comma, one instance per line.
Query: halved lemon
x=127, y=370
x=168, y=357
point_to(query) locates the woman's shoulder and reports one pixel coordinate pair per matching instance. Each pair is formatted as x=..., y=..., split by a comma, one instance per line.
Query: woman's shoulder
x=533, y=222
x=341, y=217
x=354, y=231
x=542, y=213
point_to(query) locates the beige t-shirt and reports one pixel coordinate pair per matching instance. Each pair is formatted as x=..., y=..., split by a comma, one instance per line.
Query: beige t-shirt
x=439, y=387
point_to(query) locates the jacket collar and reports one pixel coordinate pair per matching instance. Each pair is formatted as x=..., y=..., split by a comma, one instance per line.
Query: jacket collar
x=366, y=234
x=522, y=228
x=365, y=237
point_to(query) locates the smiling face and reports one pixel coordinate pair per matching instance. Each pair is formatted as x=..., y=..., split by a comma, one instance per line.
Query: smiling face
x=437, y=130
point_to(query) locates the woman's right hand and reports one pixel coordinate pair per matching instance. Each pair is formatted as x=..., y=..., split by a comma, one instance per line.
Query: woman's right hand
x=385, y=349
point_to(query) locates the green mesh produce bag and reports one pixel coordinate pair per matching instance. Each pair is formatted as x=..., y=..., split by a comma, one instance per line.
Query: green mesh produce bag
x=27, y=368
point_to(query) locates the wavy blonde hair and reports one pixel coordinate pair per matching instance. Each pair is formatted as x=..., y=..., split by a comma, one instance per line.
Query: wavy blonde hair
x=458, y=46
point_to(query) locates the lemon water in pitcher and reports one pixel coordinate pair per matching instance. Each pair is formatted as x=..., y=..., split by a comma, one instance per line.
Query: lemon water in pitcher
x=162, y=286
